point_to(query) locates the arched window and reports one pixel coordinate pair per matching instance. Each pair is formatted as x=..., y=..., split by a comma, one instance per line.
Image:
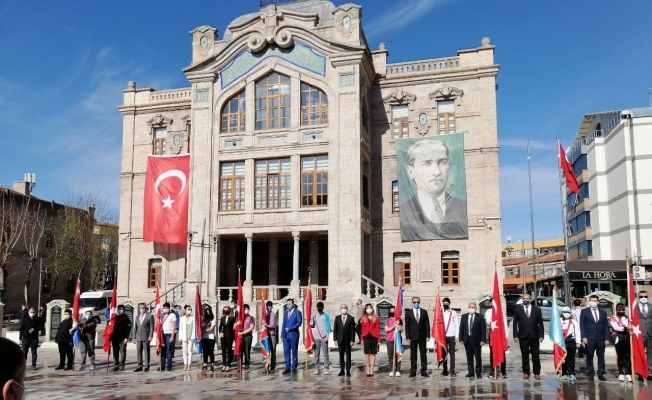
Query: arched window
x=233, y=114
x=314, y=106
x=273, y=102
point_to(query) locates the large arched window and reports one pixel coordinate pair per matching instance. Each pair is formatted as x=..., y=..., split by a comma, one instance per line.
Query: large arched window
x=273, y=102
x=314, y=106
x=233, y=114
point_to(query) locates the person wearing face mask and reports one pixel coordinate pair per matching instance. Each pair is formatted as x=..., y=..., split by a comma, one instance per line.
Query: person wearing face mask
x=645, y=324
x=573, y=339
x=64, y=342
x=142, y=334
x=393, y=327
x=321, y=328
x=451, y=326
x=344, y=336
x=169, y=324
x=247, y=328
x=595, y=336
x=472, y=334
x=12, y=371
x=577, y=310
x=417, y=333
x=292, y=321
x=120, y=338
x=88, y=326
x=208, y=339
x=28, y=335
x=620, y=326
x=370, y=337
x=187, y=336
x=176, y=309
x=528, y=333
x=227, y=335
x=271, y=324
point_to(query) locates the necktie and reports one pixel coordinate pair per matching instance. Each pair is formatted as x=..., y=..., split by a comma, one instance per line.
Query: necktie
x=645, y=309
x=595, y=314
x=343, y=320
x=417, y=312
x=142, y=318
x=471, y=324
x=437, y=214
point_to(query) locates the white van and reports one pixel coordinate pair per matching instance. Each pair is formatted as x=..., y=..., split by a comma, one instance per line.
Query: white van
x=97, y=301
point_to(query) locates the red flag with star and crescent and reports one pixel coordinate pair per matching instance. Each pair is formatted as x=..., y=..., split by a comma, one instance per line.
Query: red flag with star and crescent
x=498, y=335
x=438, y=331
x=638, y=350
x=166, y=199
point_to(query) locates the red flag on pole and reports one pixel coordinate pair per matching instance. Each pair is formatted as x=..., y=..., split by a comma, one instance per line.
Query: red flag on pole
x=571, y=180
x=239, y=327
x=310, y=340
x=75, y=302
x=638, y=350
x=199, y=320
x=108, y=331
x=498, y=342
x=438, y=332
x=158, y=328
x=166, y=199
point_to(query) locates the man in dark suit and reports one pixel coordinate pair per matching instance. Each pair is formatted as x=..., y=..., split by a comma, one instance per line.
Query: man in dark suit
x=528, y=333
x=292, y=321
x=594, y=328
x=645, y=319
x=432, y=213
x=143, y=333
x=417, y=332
x=344, y=336
x=473, y=330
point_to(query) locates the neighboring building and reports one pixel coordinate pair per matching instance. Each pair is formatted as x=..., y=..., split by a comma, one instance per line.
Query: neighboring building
x=292, y=122
x=548, y=265
x=105, y=255
x=611, y=218
x=541, y=247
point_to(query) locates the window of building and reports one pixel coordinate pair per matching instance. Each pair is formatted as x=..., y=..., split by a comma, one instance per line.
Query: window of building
x=450, y=268
x=395, y=197
x=402, y=269
x=446, y=116
x=273, y=181
x=273, y=102
x=314, y=181
x=580, y=222
x=232, y=186
x=154, y=272
x=233, y=114
x=581, y=250
x=572, y=199
x=580, y=165
x=365, y=191
x=71, y=285
x=400, y=124
x=314, y=106
x=160, y=134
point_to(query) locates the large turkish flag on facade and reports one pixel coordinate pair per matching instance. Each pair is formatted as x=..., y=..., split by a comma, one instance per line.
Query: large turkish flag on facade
x=166, y=199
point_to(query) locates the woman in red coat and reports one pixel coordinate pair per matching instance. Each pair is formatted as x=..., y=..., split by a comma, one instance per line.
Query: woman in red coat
x=370, y=337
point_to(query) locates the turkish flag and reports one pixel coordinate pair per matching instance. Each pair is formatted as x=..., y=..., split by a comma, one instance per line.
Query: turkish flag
x=310, y=340
x=498, y=335
x=571, y=180
x=640, y=358
x=438, y=332
x=166, y=199
x=75, y=302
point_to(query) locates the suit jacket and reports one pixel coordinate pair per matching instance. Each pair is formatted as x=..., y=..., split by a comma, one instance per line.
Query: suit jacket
x=143, y=331
x=525, y=327
x=478, y=331
x=415, y=224
x=645, y=319
x=291, y=322
x=226, y=326
x=344, y=333
x=594, y=330
x=121, y=329
x=417, y=330
x=63, y=334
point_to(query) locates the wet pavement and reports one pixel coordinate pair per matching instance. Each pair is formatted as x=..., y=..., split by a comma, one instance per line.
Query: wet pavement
x=46, y=383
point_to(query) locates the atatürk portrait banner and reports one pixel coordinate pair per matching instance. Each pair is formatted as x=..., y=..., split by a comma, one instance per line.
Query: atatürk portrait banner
x=432, y=188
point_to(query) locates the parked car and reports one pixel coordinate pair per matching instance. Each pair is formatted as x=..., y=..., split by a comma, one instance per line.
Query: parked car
x=544, y=303
x=511, y=299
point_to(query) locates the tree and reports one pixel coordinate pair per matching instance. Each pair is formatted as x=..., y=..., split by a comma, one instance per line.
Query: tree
x=37, y=223
x=13, y=218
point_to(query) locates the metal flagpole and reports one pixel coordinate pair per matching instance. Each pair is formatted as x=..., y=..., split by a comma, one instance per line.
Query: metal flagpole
x=629, y=306
x=529, y=178
x=308, y=322
x=564, y=219
x=201, y=258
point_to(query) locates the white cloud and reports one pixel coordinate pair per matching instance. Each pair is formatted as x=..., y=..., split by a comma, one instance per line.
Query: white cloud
x=405, y=12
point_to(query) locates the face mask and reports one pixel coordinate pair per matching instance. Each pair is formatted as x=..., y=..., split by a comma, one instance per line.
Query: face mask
x=415, y=305
x=593, y=304
x=621, y=313
x=471, y=310
x=369, y=310
x=66, y=316
x=143, y=311
x=31, y=315
x=344, y=311
x=526, y=302
x=22, y=387
x=269, y=309
x=120, y=312
x=642, y=300
x=566, y=315
x=391, y=313
x=225, y=312
x=88, y=317
x=246, y=312
x=188, y=312
x=446, y=306
x=320, y=310
x=289, y=306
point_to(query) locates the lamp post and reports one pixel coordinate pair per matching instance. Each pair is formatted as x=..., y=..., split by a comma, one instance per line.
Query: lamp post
x=40, y=284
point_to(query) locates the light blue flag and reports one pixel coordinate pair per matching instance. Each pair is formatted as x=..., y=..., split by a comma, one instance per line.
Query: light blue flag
x=76, y=336
x=557, y=336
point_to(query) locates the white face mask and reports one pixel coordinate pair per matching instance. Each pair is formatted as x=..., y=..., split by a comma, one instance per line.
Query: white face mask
x=344, y=311
x=143, y=310
x=593, y=304
x=120, y=312
x=642, y=300
x=166, y=310
x=66, y=316
x=471, y=310
x=188, y=312
x=369, y=310
x=31, y=315
x=566, y=315
x=246, y=312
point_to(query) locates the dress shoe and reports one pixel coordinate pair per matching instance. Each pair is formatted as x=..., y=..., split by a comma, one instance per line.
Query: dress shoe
x=425, y=374
x=526, y=376
x=504, y=376
x=491, y=375
x=67, y=369
x=478, y=376
x=294, y=372
x=413, y=374
x=146, y=369
x=340, y=374
x=591, y=379
x=639, y=378
x=58, y=368
x=348, y=374
x=116, y=368
x=602, y=378
x=469, y=375
x=287, y=371
x=445, y=373
x=537, y=377
x=138, y=369
x=453, y=374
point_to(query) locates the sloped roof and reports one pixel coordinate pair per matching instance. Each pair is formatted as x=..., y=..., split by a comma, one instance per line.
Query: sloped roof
x=548, y=258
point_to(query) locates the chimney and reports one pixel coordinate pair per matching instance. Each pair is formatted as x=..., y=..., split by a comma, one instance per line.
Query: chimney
x=22, y=188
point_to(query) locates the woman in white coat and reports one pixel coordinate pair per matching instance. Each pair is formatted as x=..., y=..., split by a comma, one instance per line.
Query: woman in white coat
x=187, y=336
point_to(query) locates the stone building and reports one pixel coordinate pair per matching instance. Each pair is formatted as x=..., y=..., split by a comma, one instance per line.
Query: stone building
x=291, y=120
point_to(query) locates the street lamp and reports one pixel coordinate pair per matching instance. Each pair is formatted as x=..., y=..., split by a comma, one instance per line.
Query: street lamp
x=40, y=284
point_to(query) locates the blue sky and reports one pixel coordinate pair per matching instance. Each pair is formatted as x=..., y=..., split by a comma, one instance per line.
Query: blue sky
x=62, y=69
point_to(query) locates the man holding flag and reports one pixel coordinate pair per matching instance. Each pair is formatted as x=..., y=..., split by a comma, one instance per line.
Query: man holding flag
x=497, y=333
x=557, y=337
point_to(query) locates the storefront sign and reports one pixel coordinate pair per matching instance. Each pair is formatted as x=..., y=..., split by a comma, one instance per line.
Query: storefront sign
x=598, y=275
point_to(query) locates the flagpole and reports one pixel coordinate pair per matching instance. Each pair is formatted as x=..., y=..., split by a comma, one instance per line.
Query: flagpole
x=400, y=285
x=564, y=221
x=529, y=177
x=434, y=347
x=629, y=304
x=308, y=326
x=240, y=355
x=495, y=368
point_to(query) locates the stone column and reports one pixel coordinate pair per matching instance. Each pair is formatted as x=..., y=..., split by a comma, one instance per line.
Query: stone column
x=248, y=284
x=273, y=261
x=295, y=285
x=2, y=317
x=314, y=260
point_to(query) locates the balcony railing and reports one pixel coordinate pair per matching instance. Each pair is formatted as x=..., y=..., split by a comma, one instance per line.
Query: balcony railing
x=423, y=66
x=596, y=133
x=170, y=95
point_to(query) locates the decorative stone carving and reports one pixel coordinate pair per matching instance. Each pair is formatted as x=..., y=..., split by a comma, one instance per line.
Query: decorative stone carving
x=230, y=144
x=347, y=80
x=204, y=38
x=272, y=217
x=273, y=139
x=201, y=96
x=399, y=97
x=426, y=275
x=423, y=120
x=174, y=142
x=313, y=215
x=232, y=219
x=312, y=136
x=347, y=272
x=272, y=33
x=347, y=17
x=448, y=93
x=186, y=119
x=158, y=121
